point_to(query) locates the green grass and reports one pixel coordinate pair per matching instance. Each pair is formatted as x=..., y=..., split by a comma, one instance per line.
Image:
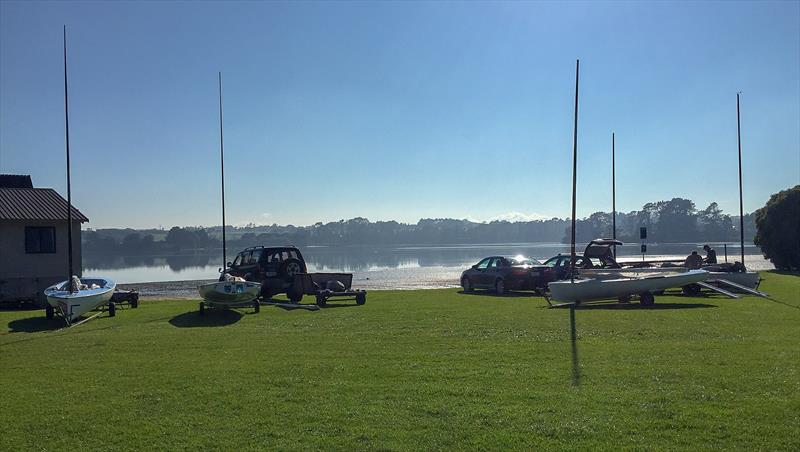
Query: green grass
x=411, y=370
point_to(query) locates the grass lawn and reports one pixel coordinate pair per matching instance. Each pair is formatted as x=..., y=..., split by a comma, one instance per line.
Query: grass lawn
x=431, y=369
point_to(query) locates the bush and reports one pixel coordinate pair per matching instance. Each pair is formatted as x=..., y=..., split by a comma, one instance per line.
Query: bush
x=778, y=229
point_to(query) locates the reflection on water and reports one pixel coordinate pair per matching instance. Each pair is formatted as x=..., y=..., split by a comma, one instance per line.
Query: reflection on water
x=392, y=266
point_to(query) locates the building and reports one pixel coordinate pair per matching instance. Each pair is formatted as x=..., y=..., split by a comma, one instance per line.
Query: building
x=33, y=239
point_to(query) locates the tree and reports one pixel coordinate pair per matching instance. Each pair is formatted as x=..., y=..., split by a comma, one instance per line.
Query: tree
x=778, y=229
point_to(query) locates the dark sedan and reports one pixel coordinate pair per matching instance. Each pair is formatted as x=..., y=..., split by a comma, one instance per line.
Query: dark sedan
x=500, y=274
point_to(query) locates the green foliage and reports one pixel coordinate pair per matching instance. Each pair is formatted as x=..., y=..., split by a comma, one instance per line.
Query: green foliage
x=778, y=229
x=410, y=370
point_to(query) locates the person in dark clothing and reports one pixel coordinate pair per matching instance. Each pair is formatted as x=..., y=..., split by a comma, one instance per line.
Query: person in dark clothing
x=693, y=261
x=711, y=255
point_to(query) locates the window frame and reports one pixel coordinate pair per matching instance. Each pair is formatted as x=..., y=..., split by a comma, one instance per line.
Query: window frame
x=30, y=229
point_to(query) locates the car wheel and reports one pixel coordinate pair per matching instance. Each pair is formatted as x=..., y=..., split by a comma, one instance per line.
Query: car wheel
x=290, y=268
x=466, y=284
x=500, y=287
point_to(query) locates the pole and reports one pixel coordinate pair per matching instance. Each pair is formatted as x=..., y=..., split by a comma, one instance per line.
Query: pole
x=613, y=193
x=574, y=172
x=69, y=185
x=741, y=207
x=726, y=252
x=222, y=171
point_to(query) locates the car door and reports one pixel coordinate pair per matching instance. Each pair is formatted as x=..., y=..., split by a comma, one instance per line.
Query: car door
x=479, y=272
x=494, y=271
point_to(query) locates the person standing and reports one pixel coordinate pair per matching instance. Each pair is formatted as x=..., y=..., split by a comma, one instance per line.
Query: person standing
x=711, y=255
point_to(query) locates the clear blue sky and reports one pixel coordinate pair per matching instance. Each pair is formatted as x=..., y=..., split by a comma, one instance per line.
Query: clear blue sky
x=398, y=110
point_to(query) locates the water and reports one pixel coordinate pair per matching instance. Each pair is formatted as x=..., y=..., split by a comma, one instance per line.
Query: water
x=383, y=267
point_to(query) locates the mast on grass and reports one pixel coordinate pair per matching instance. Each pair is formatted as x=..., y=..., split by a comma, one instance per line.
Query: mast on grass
x=222, y=170
x=613, y=193
x=69, y=187
x=574, y=172
x=741, y=207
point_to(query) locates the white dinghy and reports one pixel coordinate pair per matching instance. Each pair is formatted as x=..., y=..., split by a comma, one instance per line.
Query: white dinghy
x=599, y=289
x=75, y=297
x=230, y=291
x=85, y=295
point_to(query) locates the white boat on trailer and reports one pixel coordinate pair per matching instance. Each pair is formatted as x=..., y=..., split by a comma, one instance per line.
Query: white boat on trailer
x=591, y=289
x=85, y=295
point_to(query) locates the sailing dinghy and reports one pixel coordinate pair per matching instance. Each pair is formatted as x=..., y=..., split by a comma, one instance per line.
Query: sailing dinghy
x=75, y=297
x=229, y=291
x=84, y=295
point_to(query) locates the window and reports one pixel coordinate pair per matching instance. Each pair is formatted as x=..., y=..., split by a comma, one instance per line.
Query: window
x=238, y=261
x=256, y=256
x=483, y=264
x=40, y=239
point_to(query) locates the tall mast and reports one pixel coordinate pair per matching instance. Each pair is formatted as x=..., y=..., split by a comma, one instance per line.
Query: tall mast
x=69, y=187
x=741, y=207
x=574, y=172
x=613, y=193
x=222, y=169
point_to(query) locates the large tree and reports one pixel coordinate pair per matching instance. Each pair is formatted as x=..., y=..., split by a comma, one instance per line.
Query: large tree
x=778, y=229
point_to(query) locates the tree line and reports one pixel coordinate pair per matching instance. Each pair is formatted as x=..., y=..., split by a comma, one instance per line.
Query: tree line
x=676, y=220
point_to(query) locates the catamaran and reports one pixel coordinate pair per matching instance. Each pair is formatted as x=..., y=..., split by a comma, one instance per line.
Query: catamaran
x=229, y=291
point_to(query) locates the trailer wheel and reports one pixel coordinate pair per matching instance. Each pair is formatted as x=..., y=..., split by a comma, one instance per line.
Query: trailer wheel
x=361, y=298
x=256, y=306
x=646, y=299
x=321, y=301
x=202, y=309
x=112, y=309
x=295, y=296
x=49, y=312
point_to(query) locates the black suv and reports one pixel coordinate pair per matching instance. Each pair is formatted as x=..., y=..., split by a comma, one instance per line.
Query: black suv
x=273, y=267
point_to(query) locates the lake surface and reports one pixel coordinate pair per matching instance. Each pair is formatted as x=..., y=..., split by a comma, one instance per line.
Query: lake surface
x=384, y=267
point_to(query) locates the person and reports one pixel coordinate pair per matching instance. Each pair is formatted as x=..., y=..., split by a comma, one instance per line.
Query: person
x=693, y=261
x=711, y=255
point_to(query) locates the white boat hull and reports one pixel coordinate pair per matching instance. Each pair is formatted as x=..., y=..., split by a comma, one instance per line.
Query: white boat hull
x=599, y=289
x=229, y=293
x=747, y=279
x=72, y=305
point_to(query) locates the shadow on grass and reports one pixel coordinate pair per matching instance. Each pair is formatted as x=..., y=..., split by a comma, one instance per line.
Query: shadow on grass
x=509, y=294
x=35, y=324
x=212, y=318
x=655, y=307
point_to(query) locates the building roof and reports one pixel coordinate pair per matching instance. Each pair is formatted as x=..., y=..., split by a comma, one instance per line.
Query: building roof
x=15, y=181
x=35, y=204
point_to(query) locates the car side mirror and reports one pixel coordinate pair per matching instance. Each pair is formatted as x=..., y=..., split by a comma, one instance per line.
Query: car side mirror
x=228, y=264
x=219, y=270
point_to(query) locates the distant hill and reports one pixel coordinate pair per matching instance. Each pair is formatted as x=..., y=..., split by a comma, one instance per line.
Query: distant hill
x=676, y=220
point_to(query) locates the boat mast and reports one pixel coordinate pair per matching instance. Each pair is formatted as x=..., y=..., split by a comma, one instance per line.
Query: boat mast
x=69, y=188
x=574, y=173
x=613, y=194
x=741, y=208
x=222, y=170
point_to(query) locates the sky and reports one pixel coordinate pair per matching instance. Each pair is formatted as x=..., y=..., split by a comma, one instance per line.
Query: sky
x=398, y=111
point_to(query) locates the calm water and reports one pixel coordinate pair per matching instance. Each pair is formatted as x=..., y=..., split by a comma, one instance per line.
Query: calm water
x=387, y=267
